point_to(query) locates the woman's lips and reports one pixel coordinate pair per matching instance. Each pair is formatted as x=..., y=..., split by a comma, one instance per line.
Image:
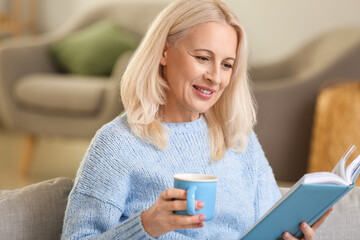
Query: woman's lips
x=203, y=92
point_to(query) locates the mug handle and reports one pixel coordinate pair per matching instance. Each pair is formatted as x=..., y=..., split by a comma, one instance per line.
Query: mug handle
x=190, y=199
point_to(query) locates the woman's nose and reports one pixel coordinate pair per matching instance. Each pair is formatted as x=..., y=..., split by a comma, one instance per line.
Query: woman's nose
x=213, y=75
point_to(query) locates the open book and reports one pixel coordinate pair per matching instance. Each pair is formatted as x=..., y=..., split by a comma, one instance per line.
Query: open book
x=306, y=201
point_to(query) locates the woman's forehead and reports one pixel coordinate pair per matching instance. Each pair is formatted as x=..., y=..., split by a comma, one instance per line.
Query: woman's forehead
x=214, y=36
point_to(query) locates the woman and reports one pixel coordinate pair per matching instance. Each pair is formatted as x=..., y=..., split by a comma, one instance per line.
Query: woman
x=188, y=109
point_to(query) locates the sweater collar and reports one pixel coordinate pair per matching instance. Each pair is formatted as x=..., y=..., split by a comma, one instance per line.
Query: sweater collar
x=197, y=125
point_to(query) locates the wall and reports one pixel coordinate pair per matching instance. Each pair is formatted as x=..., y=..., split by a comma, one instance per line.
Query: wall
x=275, y=28
x=53, y=13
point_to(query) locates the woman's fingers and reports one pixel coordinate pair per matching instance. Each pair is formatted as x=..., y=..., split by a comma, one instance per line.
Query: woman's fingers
x=185, y=221
x=176, y=205
x=288, y=236
x=172, y=193
x=181, y=205
x=199, y=205
x=196, y=225
x=160, y=217
x=308, y=232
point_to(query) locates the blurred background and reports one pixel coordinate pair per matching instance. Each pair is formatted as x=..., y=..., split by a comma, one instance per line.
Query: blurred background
x=61, y=61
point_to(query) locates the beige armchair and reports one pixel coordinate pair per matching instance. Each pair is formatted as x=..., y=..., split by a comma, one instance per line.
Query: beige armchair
x=37, y=99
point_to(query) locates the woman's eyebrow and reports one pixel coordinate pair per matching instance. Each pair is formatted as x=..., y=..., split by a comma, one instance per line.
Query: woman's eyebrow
x=212, y=53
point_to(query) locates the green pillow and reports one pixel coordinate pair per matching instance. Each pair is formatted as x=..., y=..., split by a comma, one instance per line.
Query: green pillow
x=94, y=49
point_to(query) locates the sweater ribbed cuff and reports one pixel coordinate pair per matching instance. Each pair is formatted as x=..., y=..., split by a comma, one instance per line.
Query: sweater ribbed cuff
x=133, y=229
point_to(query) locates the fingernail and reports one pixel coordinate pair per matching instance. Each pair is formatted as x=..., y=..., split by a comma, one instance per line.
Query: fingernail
x=286, y=235
x=200, y=204
x=202, y=218
x=305, y=225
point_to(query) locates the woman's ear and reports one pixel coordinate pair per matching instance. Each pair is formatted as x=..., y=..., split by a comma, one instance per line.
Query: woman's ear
x=163, y=60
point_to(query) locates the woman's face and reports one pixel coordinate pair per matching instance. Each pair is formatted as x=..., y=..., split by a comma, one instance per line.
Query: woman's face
x=198, y=70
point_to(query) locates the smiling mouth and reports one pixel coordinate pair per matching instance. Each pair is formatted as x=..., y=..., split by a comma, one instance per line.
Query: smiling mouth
x=202, y=90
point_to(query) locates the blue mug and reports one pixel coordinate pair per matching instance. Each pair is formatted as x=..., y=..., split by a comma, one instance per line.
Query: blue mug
x=199, y=187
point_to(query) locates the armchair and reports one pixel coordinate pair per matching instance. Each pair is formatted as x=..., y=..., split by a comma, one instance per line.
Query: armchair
x=38, y=99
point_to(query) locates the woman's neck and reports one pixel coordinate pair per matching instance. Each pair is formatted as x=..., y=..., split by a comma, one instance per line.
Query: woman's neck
x=169, y=117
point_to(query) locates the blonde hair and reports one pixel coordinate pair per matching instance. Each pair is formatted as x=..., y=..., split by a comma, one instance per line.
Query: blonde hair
x=232, y=117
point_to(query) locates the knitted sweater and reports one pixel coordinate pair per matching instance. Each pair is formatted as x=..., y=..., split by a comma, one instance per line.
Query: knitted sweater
x=121, y=176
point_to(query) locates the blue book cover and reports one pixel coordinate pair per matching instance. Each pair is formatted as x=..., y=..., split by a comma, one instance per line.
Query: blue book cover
x=306, y=201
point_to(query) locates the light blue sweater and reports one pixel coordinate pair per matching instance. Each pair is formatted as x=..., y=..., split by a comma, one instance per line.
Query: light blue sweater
x=121, y=176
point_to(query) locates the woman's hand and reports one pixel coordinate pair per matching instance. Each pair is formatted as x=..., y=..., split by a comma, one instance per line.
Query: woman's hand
x=309, y=232
x=160, y=219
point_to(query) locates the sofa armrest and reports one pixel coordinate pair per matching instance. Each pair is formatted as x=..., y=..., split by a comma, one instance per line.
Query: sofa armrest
x=36, y=211
x=18, y=58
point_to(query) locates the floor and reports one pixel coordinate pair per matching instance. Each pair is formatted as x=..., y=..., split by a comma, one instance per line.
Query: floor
x=52, y=157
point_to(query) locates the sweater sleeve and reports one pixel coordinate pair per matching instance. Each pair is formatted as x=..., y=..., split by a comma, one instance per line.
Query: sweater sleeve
x=91, y=218
x=96, y=204
x=267, y=192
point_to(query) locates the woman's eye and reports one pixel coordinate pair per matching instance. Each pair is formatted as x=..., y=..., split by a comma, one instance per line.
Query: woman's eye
x=202, y=58
x=227, y=65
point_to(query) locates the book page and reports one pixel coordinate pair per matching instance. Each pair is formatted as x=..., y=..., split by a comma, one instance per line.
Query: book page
x=324, y=178
x=352, y=171
x=339, y=169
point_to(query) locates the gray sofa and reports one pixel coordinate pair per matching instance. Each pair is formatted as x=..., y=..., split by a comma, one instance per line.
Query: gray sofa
x=36, y=212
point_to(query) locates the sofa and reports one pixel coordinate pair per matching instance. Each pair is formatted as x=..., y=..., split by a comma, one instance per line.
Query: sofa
x=36, y=212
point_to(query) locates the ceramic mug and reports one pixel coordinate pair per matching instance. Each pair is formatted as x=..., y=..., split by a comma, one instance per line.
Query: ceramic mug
x=199, y=187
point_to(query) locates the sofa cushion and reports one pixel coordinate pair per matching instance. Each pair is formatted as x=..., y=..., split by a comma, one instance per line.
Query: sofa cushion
x=34, y=212
x=94, y=49
x=63, y=93
x=343, y=222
